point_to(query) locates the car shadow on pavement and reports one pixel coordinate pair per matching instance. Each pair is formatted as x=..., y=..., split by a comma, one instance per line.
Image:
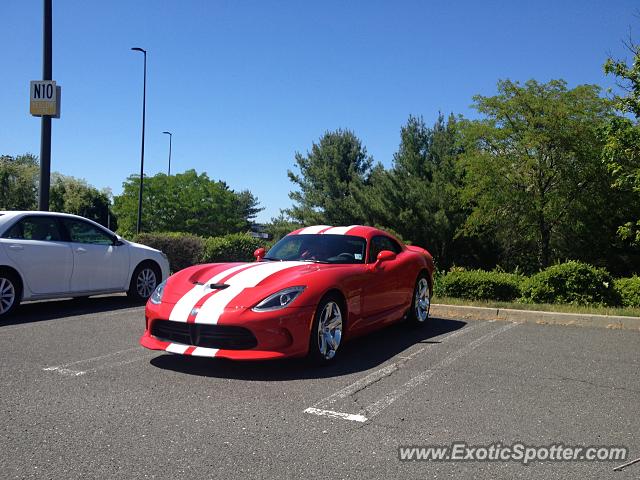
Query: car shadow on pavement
x=358, y=355
x=69, y=307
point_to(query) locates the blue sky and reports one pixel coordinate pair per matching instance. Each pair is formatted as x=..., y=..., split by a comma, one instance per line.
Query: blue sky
x=243, y=85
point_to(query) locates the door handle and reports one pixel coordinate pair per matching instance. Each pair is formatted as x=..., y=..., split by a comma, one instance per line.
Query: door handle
x=16, y=247
x=81, y=250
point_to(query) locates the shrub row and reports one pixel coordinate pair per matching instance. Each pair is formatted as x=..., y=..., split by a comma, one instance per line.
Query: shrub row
x=479, y=285
x=184, y=249
x=571, y=282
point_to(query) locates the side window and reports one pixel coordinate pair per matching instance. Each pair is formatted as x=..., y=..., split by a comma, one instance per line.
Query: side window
x=83, y=232
x=381, y=243
x=35, y=228
x=14, y=232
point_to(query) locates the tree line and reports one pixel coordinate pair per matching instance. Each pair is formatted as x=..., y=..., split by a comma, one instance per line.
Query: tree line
x=546, y=173
x=186, y=202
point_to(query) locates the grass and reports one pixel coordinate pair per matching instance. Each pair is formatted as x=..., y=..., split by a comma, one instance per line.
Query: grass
x=541, y=307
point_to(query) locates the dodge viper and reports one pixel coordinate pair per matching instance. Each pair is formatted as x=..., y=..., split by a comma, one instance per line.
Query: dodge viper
x=314, y=289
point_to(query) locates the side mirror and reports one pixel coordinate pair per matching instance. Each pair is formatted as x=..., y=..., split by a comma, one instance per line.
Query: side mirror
x=117, y=242
x=385, y=256
x=259, y=254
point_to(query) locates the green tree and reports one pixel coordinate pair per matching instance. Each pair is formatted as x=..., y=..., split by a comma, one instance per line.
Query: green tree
x=531, y=162
x=622, y=135
x=419, y=196
x=329, y=174
x=74, y=195
x=281, y=226
x=186, y=202
x=18, y=182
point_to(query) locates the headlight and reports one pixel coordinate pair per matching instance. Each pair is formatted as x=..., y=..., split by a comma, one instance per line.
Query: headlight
x=278, y=300
x=156, y=296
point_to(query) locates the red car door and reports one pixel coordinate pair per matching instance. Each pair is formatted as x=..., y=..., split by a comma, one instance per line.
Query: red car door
x=384, y=297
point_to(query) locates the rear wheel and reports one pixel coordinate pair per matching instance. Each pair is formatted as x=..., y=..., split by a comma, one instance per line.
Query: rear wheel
x=144, y=281
x=421, y=303
x=10, y=292
x=326, y=332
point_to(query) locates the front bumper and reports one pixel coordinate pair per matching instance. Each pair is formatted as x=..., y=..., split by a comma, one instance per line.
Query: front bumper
x=278, y=334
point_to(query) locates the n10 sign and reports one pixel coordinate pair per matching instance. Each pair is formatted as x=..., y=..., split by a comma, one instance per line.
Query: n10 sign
x=44, y=98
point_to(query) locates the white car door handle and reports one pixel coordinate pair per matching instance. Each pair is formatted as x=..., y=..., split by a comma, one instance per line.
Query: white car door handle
x=16, y=247
x=81, y=250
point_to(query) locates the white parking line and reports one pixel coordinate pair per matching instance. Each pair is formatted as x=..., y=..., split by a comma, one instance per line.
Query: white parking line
x=331, y=413
x=376, y=407
x=76, y=372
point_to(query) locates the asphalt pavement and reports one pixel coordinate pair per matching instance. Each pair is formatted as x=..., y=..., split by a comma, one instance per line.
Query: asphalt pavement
x=80, y=399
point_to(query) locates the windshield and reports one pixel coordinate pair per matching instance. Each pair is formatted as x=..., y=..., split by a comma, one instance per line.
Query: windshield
x=319, y=248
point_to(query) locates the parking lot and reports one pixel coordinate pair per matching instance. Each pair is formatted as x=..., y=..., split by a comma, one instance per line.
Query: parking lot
x=81, y=399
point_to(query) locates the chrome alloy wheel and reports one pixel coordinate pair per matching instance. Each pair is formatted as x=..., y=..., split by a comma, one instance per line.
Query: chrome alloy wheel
x=422, y=300
x=7, y=295
x=146, y=282
x=329, y=330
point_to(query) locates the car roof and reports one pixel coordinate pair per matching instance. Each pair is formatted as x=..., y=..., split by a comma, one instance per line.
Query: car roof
x=19, y=213
x=8, y=215
x=364, y=231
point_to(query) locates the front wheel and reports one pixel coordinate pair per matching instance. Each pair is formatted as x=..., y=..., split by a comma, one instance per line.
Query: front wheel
x=144, y=280
x=326, y=332
x=421, y=303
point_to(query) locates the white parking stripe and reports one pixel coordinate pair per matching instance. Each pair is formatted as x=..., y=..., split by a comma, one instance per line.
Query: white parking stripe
x=181, y=310
x=330, y=413
x=376, y=407
x=380, y=373
x=79, y=368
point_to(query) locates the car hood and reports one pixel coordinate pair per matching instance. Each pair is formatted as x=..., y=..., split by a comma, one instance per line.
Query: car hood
x=245, y=283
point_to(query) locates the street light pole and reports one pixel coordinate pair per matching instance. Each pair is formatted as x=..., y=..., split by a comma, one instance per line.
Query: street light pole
x=45, y=130
x=144, y=105
x=170, y=136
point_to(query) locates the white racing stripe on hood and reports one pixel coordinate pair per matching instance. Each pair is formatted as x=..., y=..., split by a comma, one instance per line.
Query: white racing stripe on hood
x=338, y=230
x=214, y=306
x=182, y=309
x=314, y=229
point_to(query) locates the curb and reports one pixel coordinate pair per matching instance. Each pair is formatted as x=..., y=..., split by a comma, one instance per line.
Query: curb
x=459, y=312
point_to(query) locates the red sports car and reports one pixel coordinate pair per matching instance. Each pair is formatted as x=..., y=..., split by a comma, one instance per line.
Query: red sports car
x=312, y=290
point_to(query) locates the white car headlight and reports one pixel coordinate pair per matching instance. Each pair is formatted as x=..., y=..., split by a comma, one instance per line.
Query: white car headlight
x=278, y=300
x=156, y=296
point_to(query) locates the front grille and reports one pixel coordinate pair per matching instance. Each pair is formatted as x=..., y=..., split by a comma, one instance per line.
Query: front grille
x=199, y=335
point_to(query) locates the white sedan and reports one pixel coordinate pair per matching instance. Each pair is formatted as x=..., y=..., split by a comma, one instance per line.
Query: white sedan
x=47, y=255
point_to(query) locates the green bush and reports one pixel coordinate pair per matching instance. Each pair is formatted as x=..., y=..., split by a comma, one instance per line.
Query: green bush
x=628, y=289
x=183, y=249
x=479, y=285
x=236, y=247
x=571, y=282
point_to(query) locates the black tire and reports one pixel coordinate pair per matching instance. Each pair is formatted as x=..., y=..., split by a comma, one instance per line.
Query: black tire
x=418, y=316
x=321, y=350
x=144, y=281
x=10, y=292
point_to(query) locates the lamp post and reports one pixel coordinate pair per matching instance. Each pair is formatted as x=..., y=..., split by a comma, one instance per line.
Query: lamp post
x=45, y=129
x=144, y=103
x=170, y=136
